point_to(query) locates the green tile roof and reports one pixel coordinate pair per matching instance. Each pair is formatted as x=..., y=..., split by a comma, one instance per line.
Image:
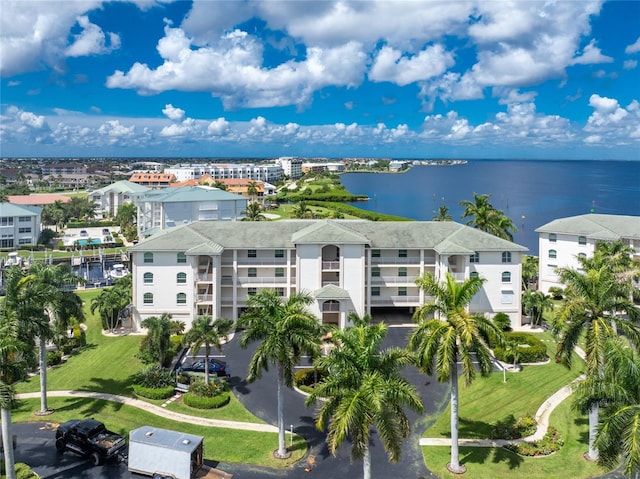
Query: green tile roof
x=596, y=226
x=9, y=209
x=331, y=291
x=445, y=237
x=123, y=186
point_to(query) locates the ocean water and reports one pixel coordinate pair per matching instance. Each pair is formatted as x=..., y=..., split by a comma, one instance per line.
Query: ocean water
x=530, y=192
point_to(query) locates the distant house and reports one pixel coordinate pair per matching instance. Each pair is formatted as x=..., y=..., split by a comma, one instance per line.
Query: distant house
x=19, y=225
x=37, y=199
x=53, y=169
x=169, y=207
x=153, y=180
x=563, y=241
x=367, y=267
x=109, y=198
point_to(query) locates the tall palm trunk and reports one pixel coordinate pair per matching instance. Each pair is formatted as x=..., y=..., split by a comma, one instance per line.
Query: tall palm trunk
x=282, y=450
x=7, y=441
x=594, y=412
x=43, y=374
x=454, y=466
x=366, y=463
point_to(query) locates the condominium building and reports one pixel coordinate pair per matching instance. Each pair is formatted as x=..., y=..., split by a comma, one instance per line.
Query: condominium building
x=292, y=167
x=19, y=225
x=113, y=196
x=169, y=207
x=564, y=240
x=345, y=265
x=269, y=173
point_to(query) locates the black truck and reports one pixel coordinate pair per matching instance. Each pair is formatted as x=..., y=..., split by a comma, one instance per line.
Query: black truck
x=89, y=438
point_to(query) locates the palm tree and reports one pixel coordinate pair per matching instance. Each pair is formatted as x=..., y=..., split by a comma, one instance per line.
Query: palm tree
x=592, y=299
x=252, y=190
x=442, y=214
x=210, y=333
x=456, y=336
x=619, y=431
x=286, y=331
x=12, y=369
x=536, y=303
x=301, y=211
x=158, y=335
x=109, y=303
x=253, y=213
x=529, y=270
x=487, y=218
x=364, y=389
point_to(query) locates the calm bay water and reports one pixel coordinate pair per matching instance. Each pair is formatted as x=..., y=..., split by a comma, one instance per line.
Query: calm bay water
x=530, y=192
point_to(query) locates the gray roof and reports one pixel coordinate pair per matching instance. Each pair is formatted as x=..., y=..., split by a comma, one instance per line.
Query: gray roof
x=331, y=291
x=123, y=186
x=445, y=237
x=179, y=441
x=595, y=226
x=179, y=194
x=9, y=209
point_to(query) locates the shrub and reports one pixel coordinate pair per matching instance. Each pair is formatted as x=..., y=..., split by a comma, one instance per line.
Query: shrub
x=550, y=443
x=502, y=321
x=523, y=427
x=199, y=388
x=153, y=393
x=556, y=292
x=54, y=357
x=155, y=377
x=199, y=402
x=530, y=348
x=23, y=471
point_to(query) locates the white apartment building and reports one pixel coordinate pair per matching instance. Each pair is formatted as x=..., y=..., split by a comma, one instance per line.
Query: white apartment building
x=346, y=265
x=292, y=167
x=169, y=207
x=563, y=241
x=111, y=197
x=269, y=173
x=19, y=225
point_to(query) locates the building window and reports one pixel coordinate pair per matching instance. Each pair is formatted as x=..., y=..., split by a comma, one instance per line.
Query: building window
x=402, y=253
x=181, y=298
x=181, y=278
x=251, y=253
x=375, y=291
x=279, y=272
x=552, y=238
x=182, y=258
x=506, y=256
x=506, y=277
x=147, y=298
x=551, y=269
x=402, y=272
x=24, y=230
x=252, y=291
x=375, y=272
x=506, y=297
x=402, y=291
x=474, y=258
x=375, y=253
x=474, y=274
x=280, y=292
x=279, y=253
x=582, y=240
x=148, y=257
x=24, y=219
x=553, y=253
x=148, y=278
x=253, y=273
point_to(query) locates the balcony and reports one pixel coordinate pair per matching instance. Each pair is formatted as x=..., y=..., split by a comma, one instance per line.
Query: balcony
x=261, y=261
x=204, y=278
x=331, y=265
x=395, y=300
x=395, y=260
x=393, y=280
x=204, y=298
x=247, y=280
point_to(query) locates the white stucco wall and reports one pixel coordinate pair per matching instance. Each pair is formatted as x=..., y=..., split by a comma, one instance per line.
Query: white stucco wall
x=567, y=250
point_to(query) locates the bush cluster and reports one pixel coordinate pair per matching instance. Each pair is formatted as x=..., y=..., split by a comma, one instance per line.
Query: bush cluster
x=304, y=379
x=155, y=377
x=532, y=350
x=199, y=402
x=202, y=389
x=153, y=393
x=54, y=357
x=550, y=443
x=353, y=211
x=523, y=427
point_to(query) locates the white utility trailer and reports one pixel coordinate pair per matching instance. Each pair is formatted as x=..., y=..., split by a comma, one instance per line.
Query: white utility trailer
x=164, y=454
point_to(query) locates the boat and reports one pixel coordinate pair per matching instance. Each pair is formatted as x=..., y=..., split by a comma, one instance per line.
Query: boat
x=117, y=271
x=13, y=259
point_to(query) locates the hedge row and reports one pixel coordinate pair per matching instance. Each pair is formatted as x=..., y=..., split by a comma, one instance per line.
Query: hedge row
x=200, y=402
x=153, y=393
x=91, y=224
x=530, y=348
x=354, y=211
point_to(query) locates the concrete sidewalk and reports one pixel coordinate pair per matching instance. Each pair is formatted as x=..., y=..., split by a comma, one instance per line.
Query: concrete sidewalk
x=157, y=410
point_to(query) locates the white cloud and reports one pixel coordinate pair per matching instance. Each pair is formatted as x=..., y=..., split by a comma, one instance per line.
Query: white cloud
x=634, y=47
x=630, y=64
x=174, y=114
x=218, y=127
x=614, y=124
x=591, y=54
x=91, y=40
x=391, y=65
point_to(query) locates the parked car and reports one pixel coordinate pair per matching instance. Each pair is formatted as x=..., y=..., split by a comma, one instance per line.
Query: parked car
x=84, y=234
x=216, y=367
x=106, y=232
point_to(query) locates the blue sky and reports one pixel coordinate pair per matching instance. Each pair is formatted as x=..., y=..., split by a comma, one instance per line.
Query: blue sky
x=405, y=79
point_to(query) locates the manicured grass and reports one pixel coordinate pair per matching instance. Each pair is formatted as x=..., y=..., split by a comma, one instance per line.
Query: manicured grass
x=488, y=401
x=224, y=445
x=234, y=411
x=498, y=463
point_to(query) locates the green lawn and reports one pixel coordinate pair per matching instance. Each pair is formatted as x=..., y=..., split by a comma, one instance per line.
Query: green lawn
x=489, y=401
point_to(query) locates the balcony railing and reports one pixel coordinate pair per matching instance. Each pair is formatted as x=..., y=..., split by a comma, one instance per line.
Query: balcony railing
x=395, y=300
x=204, y=277
x=204, y=298
x=396, y=260
x=244, y=280
x=255, y=261
x=331, y=265
x=408, y=280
